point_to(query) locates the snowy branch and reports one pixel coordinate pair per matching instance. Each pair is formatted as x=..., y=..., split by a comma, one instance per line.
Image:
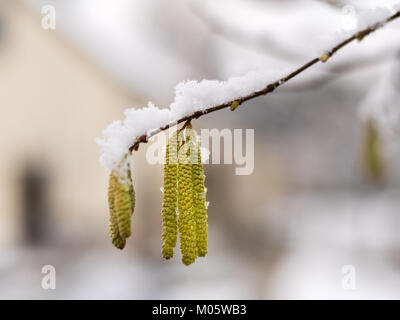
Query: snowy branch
x=270, y=87
x=194, y=99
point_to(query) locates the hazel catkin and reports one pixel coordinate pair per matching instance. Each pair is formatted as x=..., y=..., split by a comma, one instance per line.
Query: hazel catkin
x=373, y=163
x=116, y=238
x=168, y=212
x=186, y=222
x=121, y=199
x=199, y=202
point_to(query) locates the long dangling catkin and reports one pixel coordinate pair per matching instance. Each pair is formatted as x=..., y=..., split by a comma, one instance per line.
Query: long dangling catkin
x=116, y=238
x=186, y=222
x=199, y=201
x=121, y=199
x=170, y=195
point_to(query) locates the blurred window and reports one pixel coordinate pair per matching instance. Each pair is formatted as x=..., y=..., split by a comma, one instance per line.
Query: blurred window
x=35, y=205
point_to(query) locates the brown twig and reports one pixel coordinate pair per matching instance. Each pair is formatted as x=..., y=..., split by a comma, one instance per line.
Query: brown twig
x=270, y=87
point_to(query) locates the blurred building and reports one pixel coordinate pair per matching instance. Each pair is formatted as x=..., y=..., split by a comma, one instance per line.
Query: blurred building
x=53, y=103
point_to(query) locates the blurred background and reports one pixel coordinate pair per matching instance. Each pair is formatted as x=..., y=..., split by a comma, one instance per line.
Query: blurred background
x=325, y=192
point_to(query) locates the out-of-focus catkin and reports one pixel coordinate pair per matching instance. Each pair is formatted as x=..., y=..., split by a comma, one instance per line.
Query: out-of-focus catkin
x=186, y=221
x=170, y=195
x=373, y=163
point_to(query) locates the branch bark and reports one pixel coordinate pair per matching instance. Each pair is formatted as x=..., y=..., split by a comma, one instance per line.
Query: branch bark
x=270, y=87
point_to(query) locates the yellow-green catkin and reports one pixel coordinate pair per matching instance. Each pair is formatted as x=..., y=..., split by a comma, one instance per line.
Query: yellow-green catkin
x=121, y=199
x=199, y=202
x=116, y=238
x=371, y=152
x=186, y=221
x=170, y=196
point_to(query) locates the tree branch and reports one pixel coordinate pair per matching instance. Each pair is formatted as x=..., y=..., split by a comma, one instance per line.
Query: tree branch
x=270, y=87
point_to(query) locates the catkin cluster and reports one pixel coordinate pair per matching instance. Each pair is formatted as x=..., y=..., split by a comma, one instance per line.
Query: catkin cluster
x=121, y=201
x=184, y=199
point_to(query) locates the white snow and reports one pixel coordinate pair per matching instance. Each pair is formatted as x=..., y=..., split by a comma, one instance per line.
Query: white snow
x=190, y=96
x=120, y=135
x=366, y=18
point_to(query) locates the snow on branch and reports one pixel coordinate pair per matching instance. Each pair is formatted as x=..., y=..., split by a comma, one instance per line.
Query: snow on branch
x=194, y=99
